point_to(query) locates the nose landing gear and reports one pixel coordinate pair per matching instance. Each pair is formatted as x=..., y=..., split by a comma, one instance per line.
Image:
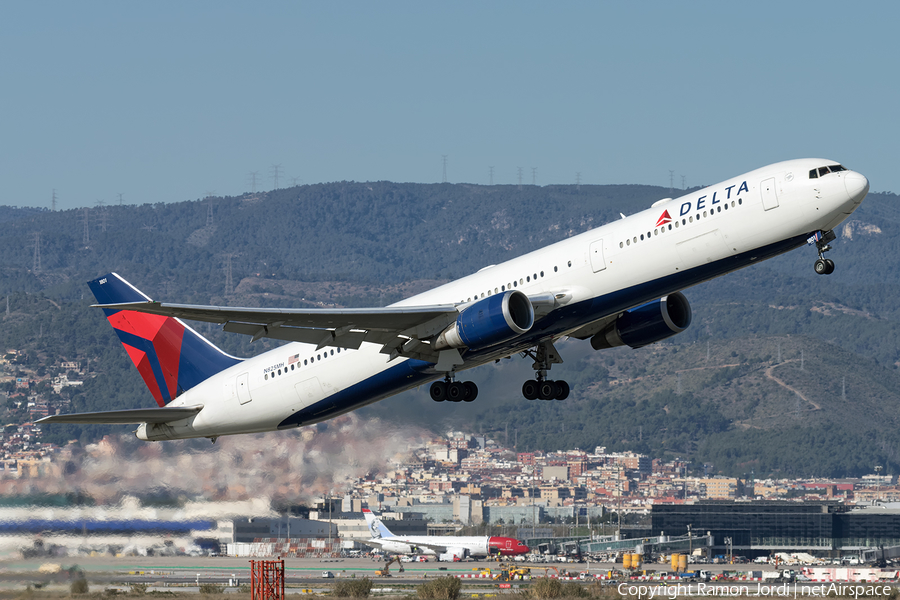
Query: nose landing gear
x=823, y=266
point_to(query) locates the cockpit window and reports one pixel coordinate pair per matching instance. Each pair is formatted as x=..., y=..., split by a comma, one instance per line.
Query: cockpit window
x=822, y=171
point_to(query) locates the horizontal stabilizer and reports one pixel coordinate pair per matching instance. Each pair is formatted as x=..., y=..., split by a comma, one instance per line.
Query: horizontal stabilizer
x=124, y=417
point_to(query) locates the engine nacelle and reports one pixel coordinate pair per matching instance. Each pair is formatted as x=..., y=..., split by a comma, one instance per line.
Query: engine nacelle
x=490, y=321
x=647, y=323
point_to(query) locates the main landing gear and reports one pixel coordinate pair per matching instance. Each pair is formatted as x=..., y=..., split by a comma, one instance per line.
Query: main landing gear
x=545, y=356
x=454, y=391
x=823, y=266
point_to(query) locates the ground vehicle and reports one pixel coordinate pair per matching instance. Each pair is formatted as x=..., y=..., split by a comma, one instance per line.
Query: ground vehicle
x=385, y=571
x=327, y=575
x=511, y=572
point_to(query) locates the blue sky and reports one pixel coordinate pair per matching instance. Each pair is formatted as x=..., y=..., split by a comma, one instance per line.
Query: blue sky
x=166, y=101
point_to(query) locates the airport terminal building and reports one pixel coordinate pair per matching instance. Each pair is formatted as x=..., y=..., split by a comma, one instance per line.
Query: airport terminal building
x=760, y=527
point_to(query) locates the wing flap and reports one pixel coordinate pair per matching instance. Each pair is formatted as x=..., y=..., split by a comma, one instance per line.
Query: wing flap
x=381, y=319
x=125, y=417
x=390, y=327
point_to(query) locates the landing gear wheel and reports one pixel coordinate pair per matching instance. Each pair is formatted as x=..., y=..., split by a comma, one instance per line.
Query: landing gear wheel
x=471, y=391
x=821, y=267
x=830, y=264
x=438, y=391
x=563, y=390
x=456, y=391
x=530, y=389
x=547, y=390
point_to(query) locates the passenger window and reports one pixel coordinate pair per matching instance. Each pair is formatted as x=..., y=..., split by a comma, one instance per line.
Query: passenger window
x=642, y=237
x=266, y=376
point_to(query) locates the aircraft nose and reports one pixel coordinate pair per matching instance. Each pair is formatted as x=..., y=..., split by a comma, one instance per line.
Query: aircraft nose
x=857, y=186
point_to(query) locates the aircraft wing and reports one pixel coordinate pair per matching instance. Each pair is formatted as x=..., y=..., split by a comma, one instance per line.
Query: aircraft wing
x=436, y=548
x=392, y=327
x=125, y=417
x=400, y=330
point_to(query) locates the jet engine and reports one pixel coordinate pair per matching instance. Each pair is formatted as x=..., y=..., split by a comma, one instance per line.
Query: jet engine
x=646, y=324
x=489, y=321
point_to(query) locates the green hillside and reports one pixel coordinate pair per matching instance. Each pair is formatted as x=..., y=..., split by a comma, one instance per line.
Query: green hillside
x=356, y=244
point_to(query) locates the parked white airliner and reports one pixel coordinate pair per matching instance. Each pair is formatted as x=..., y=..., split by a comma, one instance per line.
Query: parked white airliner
x=445, y=547
x=619, y=284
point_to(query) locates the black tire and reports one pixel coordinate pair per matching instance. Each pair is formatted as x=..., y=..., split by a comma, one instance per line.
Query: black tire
x=471, y=391
x=438, y=391
x=563, y=392
x=830, y=264
x=530, y=389
x=456, y=391
x=547, y=390
x=821, y=267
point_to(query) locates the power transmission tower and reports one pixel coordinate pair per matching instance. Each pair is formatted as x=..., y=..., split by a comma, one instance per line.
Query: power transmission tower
x=444, y=159
x=36, y=266
x=253, y=176
x=683, y=179
x=53, y=202
x=86, y=238
x=275, y=174
x=102, y=209
x=533, y=175
x=492, y=175
x=209, y=210
x=120, y=198
x=294, y=180
x=578, y=180
x=671, y=181
x=520, y=176
x=229, y=282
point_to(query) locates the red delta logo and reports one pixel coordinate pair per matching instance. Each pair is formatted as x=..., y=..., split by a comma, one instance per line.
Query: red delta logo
x=664, y=218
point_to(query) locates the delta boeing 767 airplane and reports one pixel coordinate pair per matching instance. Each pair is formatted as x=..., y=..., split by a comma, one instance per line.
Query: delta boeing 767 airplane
x=619, y=284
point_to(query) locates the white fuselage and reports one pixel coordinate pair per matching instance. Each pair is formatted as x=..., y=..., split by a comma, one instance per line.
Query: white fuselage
x=600, y=272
